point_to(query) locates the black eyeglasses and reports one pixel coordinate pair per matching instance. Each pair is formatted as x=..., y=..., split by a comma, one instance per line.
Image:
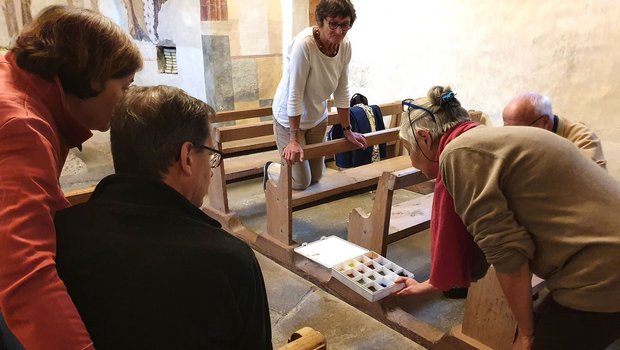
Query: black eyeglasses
x=215, y=156
x=345, y=26
x=536, y=120
x=408, y=105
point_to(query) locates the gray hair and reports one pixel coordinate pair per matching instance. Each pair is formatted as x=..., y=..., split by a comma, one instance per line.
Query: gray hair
x=541, y=104
x=151, y=124
x=446, y=109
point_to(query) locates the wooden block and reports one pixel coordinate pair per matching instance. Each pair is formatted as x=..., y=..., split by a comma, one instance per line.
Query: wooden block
x=306, y=339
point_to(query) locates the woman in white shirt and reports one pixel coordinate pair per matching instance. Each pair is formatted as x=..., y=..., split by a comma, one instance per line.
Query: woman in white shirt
x=316, y=67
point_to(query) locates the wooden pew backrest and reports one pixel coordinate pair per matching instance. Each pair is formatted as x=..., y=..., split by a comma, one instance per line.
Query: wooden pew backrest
x=372, y=231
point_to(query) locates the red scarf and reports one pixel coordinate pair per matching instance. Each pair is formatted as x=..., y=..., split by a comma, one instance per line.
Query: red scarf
x=453, y=250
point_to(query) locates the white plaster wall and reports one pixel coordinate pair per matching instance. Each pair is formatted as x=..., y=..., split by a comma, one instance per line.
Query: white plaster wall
x=294, y=20
x=489, y=51
x=253, y=23
x=179, y=22
x=116, y=11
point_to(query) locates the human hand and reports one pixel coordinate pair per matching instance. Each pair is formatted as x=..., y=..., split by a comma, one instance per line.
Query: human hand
x=356, y=138
x=412, y=287
x=293, y=153
x=523, y=342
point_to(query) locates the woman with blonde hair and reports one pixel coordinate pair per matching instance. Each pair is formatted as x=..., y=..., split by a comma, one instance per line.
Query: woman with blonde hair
x=61, y=79
x=526, y=201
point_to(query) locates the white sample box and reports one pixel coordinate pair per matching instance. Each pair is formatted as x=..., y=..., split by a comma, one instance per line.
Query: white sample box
x=366, y=272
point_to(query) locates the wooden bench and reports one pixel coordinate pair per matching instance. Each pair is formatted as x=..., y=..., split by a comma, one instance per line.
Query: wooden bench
x=488, y=321
x=281, y=200
x=258, y=140
x=386, y=223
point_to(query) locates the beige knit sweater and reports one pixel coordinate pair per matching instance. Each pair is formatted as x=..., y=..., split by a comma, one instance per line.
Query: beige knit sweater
x=526, y=194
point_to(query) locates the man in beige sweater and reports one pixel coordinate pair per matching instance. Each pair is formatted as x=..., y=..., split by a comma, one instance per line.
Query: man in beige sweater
x=533, y=109
x=533, y=204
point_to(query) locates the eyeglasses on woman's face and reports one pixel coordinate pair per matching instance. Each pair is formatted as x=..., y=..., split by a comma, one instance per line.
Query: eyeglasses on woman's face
x=333, y=25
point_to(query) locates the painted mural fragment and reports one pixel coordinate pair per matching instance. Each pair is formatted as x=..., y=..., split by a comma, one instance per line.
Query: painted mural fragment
x=143, y=17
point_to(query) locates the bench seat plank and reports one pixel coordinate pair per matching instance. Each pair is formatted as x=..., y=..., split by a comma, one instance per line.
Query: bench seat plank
x=409, y=217
x=252, y=144
x=248, y=165
x=244, y=131
x=348, y=180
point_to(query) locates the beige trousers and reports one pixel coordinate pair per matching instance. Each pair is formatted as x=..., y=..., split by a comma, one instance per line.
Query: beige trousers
x=306, y=172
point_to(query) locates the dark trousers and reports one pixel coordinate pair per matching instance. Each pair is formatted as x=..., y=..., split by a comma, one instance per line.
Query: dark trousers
x=563, y=328
x=7, y=339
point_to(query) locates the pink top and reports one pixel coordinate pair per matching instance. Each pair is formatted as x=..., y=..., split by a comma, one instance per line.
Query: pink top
x=36, y=132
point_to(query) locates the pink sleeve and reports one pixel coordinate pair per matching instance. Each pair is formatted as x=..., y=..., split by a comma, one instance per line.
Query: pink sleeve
x=33, y=299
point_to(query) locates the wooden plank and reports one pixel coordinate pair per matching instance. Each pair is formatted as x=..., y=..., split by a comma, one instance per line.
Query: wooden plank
x=238, y=132
x=369, y=231
x=374, y=231
x=348, y=180
x=79, y=196
x=341, y=145
x=407, y=177
x=239, y=115
x=229, y=116
x=218, y=193
x=487, y=305
x=248, y=165
x=246, y=145
x=410, y=217
x=279, y=210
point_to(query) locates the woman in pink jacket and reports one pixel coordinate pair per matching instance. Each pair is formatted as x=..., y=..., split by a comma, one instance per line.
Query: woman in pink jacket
x=61, y=79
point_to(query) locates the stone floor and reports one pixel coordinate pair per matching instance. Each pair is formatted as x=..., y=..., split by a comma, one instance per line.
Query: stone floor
x=295, y=303
x=344, y=326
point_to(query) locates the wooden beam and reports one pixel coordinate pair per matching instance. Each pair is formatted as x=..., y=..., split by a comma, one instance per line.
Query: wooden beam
x=238, y=132
x=79, y=196
x=240, y=115
x=341, y=145
x=407, y=177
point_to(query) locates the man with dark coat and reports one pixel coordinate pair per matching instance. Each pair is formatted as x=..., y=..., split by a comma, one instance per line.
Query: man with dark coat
x=146, y=268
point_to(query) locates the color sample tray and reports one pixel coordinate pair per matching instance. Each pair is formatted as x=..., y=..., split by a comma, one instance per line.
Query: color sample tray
x=371, y=275
x=366, y=272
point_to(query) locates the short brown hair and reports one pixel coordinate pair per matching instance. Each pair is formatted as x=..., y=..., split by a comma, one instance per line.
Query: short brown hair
x=77, y=45
x=150, y=125
x=333, y=9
